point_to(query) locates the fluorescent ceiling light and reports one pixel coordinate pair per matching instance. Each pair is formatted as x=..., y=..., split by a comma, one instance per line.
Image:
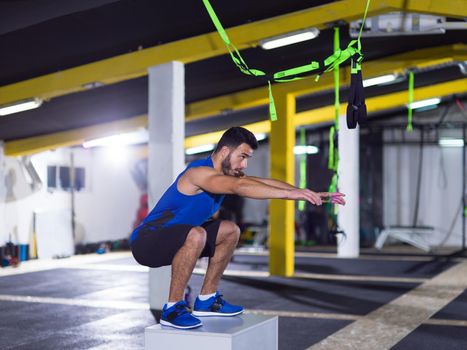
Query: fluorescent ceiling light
x=451, y=142
x=383, y=79
x=425, y=103
x=20, y=106
x=260, y=136
x=130, y=138
x=305, y=149
x=200, y=149
x=290, y=38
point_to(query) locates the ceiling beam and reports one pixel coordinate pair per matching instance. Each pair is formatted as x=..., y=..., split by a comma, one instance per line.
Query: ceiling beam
x=326, y=114
x=422, y=58
x=136, y=64
x=315, y=116
x=452, y=8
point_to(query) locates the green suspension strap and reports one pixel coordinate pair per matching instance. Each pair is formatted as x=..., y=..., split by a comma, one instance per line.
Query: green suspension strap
x=409, y=127
x=333, y=161
x=356, y=107
x=233, y=51
x=336, y=80
x=333, y=149
x=301, y=72
x=301, y=204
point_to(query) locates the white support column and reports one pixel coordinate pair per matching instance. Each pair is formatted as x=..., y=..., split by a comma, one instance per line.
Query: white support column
x=349, y=172
x=166, y=151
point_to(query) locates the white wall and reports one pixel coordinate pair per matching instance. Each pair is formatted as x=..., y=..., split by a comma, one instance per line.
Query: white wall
x=105, y=209
x=441, y=189
x=17, y=200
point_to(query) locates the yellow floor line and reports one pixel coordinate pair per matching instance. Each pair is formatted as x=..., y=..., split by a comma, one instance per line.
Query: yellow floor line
x=386, y=326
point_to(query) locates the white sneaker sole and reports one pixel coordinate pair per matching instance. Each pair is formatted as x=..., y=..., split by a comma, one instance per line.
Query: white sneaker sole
x=166, y=323
x=210, y=313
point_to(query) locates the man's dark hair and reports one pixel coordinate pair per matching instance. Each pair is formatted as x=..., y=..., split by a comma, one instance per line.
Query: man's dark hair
x=235, y=136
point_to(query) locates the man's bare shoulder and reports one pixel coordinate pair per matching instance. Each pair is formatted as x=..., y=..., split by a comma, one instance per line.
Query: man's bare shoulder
x=200, y=171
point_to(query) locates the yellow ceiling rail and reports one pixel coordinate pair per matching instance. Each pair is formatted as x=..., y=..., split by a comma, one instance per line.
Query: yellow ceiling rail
x=392, y=64
x=385, y=102
x=451, y=8
x=315, y=116
x=326, y=114
x=135, y=64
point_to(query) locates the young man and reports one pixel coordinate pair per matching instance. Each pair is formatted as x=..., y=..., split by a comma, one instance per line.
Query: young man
x=178, y=231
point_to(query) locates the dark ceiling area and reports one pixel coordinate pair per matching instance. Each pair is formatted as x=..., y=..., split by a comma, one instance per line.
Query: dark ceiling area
x=46, y=36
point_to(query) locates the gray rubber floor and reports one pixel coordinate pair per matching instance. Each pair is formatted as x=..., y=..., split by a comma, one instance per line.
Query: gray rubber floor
x=58, y=321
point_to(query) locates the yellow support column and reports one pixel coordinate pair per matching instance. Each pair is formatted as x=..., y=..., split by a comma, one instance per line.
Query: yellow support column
x=282, y=212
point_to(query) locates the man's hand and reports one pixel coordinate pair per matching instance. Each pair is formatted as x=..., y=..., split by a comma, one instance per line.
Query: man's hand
x=332, y=197
x=317, y=198
x=305, y=194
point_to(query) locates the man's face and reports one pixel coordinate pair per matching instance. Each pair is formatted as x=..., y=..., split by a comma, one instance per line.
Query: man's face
x=236, y=160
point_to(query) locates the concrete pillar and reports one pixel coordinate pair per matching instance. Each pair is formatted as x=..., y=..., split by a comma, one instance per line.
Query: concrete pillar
x=166, y=151
x=282, y=212
x=348, y=216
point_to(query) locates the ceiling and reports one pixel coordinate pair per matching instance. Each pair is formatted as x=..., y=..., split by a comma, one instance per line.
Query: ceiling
x=43, y=37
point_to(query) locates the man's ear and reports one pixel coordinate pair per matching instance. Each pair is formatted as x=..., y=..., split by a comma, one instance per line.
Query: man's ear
x=225, y=151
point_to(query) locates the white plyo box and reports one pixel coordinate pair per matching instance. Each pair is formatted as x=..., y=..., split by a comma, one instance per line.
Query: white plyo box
x=243, y=332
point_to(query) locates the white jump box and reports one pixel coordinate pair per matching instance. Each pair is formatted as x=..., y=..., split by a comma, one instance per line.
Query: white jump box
x=243, y=332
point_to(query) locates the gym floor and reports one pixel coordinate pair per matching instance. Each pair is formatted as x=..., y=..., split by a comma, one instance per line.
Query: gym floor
x=384, y=301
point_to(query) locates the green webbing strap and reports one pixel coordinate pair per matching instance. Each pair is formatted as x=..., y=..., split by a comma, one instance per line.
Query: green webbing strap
x=330, y=63
x=331, y=148
x=363, y=24
x=301, y=204
x=272, y=106
x=233, y=51
x=336, y=80
x=333, y=184
x=293, y=72
x=409, y=106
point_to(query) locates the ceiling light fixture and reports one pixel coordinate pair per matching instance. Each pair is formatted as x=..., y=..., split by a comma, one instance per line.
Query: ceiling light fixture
x=130, y=138
x=383, y=79
x=289, y=38
x=305, y=149
x=425, y=103
x=260, y=136
x=20, y=106
x=200, y=149
x=451, y=142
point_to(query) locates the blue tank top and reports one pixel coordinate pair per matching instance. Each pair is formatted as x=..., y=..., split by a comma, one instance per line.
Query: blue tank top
x=175, y=207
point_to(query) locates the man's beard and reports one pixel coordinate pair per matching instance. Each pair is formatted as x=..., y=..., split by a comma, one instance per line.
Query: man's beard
x=226, y=167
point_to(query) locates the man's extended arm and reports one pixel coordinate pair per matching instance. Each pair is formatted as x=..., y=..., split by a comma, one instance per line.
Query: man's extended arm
x=273, y=182
x=325, y=196
x=211, y=181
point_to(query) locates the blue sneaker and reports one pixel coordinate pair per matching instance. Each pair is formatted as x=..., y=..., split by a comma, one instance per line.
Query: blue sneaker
x=179, y=316
x=215, y=306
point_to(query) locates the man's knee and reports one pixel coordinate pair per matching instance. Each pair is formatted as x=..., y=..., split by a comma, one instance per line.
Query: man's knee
x=197, y=237
x=230, y=231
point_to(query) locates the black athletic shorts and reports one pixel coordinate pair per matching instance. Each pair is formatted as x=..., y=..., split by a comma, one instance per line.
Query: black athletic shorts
x=157, y=246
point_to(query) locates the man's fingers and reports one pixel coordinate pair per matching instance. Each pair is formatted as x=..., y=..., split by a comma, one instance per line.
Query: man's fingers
x=317, y=198
x=330, y=194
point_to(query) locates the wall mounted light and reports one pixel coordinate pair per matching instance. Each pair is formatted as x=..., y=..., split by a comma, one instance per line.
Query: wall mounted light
x=20, y=106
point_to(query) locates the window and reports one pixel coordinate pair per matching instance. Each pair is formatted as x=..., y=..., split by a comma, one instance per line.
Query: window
x=59, y=177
